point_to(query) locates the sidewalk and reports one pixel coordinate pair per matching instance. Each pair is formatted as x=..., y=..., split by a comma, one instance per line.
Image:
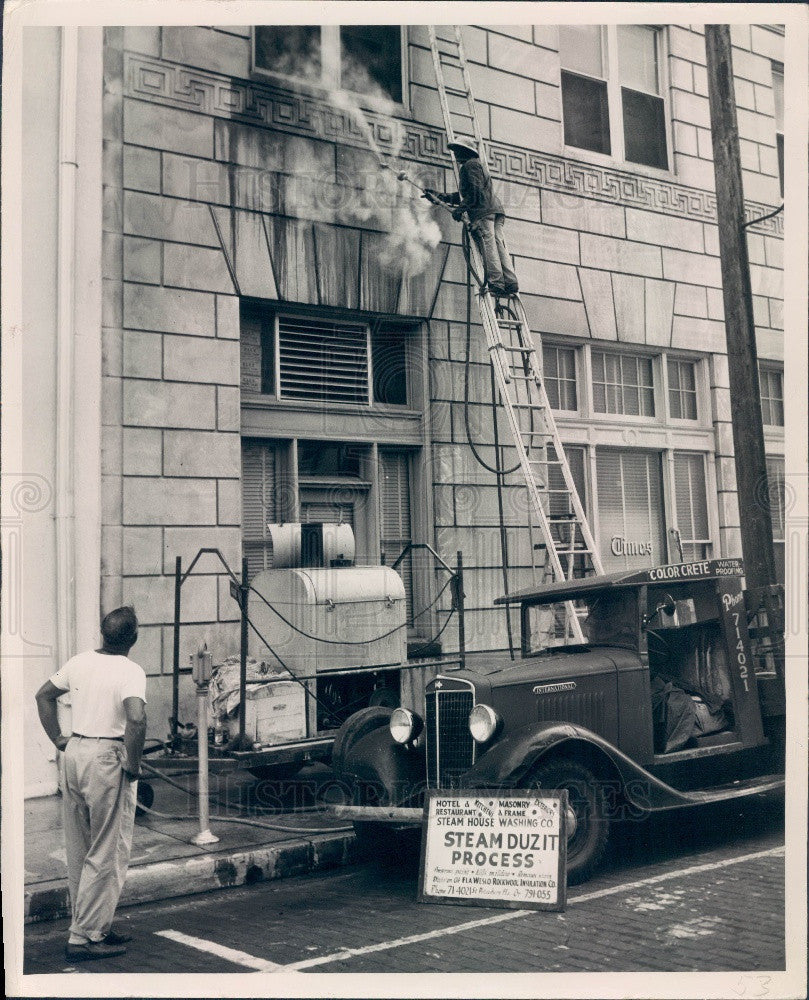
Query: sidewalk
x=165, y=863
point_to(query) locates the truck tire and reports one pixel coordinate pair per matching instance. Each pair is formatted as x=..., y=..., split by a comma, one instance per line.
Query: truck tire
x=354, y=728
x=586, y=798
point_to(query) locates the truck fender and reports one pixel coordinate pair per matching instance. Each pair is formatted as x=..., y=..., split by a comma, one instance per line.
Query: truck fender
x=383, y=772
x=510, y=763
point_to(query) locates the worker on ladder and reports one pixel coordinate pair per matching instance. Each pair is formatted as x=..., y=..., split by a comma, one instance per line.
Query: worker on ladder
x=484, y=210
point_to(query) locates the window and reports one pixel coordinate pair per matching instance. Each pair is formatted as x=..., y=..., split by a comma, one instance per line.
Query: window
x=328, y=459
x=623, y=383
x=298, y=358
x=289, y=50
x=778, y=98
x=258, y=503
x=371, y=51
x=364, y=59
x=691, y=505
x=560, y=506
x=776, y=496
x=771, y=384
x=389, y=362
x=682, y=389
x=612, y=91
x=585, y=106
x=559, y=372
x=630, y=508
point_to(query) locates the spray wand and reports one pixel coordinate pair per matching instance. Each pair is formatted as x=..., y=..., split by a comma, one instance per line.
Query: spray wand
x=425, y=193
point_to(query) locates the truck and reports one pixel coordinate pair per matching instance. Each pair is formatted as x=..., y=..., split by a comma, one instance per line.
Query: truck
x=675, y=698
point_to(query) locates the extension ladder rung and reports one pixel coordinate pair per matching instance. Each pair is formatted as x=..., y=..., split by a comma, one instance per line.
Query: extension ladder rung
x=449, y=57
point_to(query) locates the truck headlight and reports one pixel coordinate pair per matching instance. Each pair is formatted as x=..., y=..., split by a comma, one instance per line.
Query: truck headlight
x=405, y=725
x=483, y=723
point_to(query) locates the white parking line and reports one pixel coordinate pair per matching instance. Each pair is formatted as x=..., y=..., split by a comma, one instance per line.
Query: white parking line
x=212, y=948
x=347, y=953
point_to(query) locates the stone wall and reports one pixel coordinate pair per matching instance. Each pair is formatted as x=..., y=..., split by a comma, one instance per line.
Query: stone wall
x=219, y=186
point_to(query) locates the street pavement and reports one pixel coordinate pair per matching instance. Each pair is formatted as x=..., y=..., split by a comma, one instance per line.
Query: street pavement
x=696, y=890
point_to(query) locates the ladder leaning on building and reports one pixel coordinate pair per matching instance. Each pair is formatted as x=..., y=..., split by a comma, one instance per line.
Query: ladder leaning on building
x=553, y=498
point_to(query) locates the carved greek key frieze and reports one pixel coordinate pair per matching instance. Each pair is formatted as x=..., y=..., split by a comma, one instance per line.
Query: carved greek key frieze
x=266, y=106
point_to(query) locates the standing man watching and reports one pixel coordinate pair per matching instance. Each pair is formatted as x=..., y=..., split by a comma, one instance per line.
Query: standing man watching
x=102, y=764
x=484, y=210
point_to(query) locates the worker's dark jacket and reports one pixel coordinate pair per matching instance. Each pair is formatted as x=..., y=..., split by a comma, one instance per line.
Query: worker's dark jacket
x=475, y=193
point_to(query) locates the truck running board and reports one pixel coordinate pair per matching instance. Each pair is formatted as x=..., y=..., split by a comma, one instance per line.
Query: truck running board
x=734, y=790
x=377, y=814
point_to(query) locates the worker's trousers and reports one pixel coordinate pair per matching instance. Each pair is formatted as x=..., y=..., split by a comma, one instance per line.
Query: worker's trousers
x=488, y=234
x=99, y=817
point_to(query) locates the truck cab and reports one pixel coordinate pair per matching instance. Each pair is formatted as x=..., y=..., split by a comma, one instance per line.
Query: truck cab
x=657, y=704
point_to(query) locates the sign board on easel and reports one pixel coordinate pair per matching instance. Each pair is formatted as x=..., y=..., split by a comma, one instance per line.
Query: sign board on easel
x=495, y=848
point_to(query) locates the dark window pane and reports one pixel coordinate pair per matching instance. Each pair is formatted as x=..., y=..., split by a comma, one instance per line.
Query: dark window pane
x=586, y=113
x=644, y=129
x=371, y=56
x=327, y=458
x=293, y=50
x=267, y=355
x=389, y=359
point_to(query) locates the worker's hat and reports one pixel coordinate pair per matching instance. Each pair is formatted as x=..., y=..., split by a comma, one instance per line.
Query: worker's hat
x=463, y=146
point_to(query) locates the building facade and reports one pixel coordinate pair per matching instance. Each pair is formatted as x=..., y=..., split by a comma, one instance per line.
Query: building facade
x=283, y=326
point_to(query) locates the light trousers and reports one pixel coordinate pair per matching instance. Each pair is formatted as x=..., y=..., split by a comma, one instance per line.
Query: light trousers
x=488, y=234
x=98, y=805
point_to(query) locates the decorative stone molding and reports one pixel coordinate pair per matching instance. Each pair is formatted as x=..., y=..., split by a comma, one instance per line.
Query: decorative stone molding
x=266, y=106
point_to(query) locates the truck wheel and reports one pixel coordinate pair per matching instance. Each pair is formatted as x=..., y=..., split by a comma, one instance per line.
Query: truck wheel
x=354, y=728
x=586, y=798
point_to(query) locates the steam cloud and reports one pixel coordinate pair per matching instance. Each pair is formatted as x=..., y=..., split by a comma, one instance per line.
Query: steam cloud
x=411, y=233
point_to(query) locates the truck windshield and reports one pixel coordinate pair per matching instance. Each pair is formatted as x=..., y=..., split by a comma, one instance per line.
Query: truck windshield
x=606, y=619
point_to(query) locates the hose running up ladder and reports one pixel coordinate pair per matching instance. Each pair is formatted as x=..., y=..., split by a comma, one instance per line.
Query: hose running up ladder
x=556, y=509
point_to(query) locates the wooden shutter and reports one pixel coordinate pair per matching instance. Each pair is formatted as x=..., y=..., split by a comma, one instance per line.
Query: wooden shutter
x=396, y=528
x=258, y=503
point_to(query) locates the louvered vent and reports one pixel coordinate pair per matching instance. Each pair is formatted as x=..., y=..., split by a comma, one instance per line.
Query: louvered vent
x=323, y=361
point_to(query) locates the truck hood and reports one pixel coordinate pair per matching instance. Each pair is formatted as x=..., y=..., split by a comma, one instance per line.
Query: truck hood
x=578, y=661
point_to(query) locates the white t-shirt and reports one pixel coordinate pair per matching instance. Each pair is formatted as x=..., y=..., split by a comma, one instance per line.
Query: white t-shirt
x=98, y=684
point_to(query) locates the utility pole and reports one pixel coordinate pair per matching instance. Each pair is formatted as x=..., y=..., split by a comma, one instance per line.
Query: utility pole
x=745, y=400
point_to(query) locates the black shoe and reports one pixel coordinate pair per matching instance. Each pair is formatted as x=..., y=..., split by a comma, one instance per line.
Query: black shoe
x=512, y=289
x=112, y=938
x=498, y=290
x=92, y=950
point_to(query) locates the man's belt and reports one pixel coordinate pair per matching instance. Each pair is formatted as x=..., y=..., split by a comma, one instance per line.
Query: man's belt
x=81, y=736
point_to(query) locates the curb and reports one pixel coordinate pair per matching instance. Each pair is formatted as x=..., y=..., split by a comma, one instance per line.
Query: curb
x=186, y=876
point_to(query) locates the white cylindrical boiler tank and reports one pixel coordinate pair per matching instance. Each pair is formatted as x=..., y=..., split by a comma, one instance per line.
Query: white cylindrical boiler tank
x=333, y=542
x=336, y=618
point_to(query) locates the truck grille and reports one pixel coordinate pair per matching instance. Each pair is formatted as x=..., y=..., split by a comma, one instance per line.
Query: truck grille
x=450, y=747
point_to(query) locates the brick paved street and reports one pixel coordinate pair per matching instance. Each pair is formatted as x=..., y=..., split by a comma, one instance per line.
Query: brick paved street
x=700, y=892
